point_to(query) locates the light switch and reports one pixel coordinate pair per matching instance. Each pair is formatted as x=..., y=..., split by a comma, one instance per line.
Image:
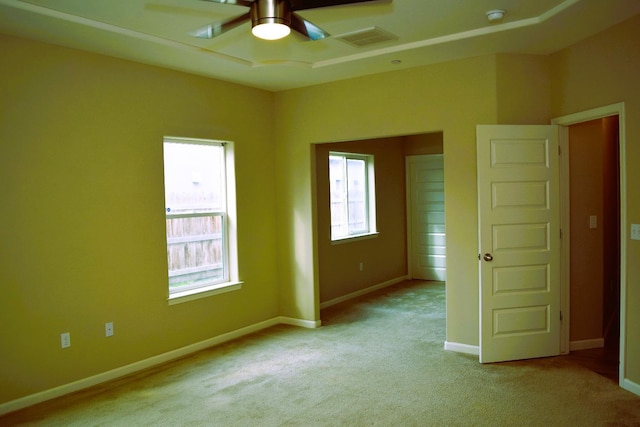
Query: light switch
x=635, y=231
x=593, y=221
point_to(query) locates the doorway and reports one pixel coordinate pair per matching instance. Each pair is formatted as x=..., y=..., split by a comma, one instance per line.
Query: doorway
x=595, y=241
x=612, y=311
x=355, y=266
x=425, y=209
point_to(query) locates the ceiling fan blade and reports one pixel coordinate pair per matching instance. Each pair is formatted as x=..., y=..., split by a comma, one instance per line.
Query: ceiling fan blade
x=315, y=4
x=307, y=29
x=177, y=10
x=246, y=3
x=213, y=30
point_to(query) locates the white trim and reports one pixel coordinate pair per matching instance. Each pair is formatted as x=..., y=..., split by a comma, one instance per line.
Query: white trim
x=370, y=195
x=200, y=141
x=462, y=348
x=585, y=116
x=485, y=30
x=193, y=294
x=229, y=214
x=310, y=324
x=586, y=344
x=629, y=385
x=565, y=229
x=140, y=365
x=364, y=291
x=102, y=26
x=597, y=113
x=232, y=213
x=434, y=41
x=354, y=238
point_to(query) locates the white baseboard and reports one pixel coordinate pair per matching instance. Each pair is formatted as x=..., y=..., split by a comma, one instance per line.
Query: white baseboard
x=629, y=385
x=586, y=344
x=462, y=348
x=311, y=324
x=122, y=371
x=364, y=291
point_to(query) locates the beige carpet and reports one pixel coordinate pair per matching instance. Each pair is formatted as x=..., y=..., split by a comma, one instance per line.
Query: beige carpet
x=377, y=361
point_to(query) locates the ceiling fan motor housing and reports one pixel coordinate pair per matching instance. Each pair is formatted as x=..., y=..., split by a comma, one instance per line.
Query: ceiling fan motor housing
x=270, y=12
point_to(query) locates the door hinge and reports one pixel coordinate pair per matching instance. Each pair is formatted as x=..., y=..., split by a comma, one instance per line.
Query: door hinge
x=560, y=316
x=561, y=234
x=559, y=150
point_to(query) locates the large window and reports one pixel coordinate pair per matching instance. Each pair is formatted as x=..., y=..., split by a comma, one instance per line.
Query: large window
x=352, y=187
x=198, y=203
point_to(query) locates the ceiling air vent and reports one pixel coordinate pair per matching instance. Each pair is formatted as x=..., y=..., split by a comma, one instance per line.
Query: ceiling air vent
x=366, y=37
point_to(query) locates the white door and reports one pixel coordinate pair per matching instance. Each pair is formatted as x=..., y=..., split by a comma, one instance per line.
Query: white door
x=428, y=257
x=519, y=235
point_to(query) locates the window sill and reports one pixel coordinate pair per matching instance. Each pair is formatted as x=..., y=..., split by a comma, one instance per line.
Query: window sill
x=207, y=291
x=349, y=239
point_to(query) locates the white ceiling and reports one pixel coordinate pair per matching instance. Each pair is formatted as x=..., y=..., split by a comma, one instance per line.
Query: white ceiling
x=426, y=31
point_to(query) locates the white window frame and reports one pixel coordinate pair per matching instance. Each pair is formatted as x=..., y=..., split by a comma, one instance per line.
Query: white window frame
x=230, y=281
x=370, y=202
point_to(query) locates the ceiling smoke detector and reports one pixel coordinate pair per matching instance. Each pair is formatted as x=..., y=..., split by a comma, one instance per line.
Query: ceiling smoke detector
x=495, y=15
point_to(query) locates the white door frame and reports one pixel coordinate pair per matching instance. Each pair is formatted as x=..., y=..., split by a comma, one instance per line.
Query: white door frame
x=564, y=122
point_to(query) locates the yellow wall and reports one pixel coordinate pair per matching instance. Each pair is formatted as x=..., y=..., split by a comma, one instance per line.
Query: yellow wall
x=595, y=271
x=424, y=143
x=600, y=71
x=383, y=257
x=82, y=238
x=522, y=89
x=82, y=224
x=452, y=98
x=586, y=169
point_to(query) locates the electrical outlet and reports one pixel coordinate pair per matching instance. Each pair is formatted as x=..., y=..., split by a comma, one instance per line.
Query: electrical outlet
x=635, y=231
x=65, y=340
x=361, y=266
x=108, y=329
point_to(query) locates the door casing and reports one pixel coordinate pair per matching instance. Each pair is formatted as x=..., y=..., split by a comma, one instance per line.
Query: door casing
x=565, y=121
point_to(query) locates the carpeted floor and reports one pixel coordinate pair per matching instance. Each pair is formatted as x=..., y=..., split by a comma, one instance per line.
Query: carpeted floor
x=377, y=361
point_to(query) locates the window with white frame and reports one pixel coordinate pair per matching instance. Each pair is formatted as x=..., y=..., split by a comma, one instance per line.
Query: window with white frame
x=352, y=188
x=199, y=201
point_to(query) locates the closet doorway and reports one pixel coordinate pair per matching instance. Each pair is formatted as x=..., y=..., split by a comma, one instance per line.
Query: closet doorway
x=426, y=235
x=595, y=244
x=426, y=217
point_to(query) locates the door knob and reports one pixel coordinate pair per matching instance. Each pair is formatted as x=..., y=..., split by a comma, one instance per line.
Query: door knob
x=488, y=257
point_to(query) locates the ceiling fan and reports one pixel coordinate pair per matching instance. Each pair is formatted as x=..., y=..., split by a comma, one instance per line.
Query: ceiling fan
x=272, y=19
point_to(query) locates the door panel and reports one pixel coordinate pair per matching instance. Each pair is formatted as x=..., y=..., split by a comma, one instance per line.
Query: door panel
x=519, y=234
x=428, y=243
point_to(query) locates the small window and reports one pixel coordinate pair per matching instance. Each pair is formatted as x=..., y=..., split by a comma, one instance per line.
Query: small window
x=352, y=187
x=198, y=202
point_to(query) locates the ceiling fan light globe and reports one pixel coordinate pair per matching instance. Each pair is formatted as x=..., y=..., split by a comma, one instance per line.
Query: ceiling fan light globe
x=271, y=31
